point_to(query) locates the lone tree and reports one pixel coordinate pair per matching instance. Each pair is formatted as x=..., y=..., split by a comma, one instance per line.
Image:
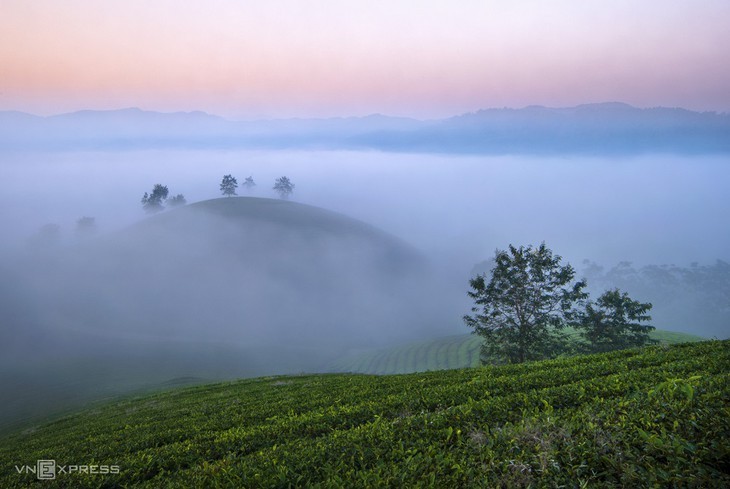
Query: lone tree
x=249, y=183
x=283, y=187
x=153, y=202
x=229, y=185
x=521, y=309
x=613, y=323
x=177, y=200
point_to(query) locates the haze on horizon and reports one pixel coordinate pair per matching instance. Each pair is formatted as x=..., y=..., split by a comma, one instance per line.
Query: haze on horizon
x=283, y=58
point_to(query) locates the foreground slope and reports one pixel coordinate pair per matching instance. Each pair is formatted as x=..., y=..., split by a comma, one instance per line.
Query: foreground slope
x=635, y=418
x=457, y=351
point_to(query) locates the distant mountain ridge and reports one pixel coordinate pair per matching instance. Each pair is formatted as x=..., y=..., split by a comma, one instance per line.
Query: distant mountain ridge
x=600, y=128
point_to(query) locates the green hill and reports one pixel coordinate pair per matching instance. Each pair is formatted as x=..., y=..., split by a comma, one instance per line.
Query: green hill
x=220, y=289
x=457, y=351
x=653, y=417
x=281, y=218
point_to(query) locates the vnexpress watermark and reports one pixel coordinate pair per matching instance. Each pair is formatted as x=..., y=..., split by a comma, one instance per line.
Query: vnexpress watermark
x=49, y=469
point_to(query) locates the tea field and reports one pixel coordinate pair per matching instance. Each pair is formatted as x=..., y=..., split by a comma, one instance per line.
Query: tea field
x=652, y=417
x=458, y=351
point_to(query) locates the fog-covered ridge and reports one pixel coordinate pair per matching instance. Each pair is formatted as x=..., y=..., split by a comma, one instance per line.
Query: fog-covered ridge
x=249, y=271
x=604, y=128
x=228, y=287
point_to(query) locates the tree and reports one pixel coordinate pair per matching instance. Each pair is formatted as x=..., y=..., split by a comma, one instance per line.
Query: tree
x=613, y=323
x=229, y=185
x=153, y=202
x=283, y=187
x=177, y=200
x=521, y=309
x=249, y=183
x=85, y=226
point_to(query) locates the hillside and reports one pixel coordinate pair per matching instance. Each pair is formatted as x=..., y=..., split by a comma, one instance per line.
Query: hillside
x=236, y=265
x=654, y=417
x=459, y=351
x=249, y=270
x=291, y=220
x=220, y=289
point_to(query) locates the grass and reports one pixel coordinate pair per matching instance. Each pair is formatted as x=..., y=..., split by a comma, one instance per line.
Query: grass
x=457, y=351
x=652, y=417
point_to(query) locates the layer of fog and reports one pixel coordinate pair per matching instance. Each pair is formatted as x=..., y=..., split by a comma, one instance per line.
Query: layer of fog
x=650, y=210
x=456, y=210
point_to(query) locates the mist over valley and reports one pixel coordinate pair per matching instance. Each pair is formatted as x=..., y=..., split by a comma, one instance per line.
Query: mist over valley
x=374, y=249
x=364, y=244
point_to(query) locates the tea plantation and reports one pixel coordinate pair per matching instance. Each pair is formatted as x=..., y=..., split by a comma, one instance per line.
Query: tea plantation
x=458, y=351
x=653, y=417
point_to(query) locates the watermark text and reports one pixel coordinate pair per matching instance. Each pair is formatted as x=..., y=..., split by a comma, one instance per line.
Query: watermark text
x=49, y=469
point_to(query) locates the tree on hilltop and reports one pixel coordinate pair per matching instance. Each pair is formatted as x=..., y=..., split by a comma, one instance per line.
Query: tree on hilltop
x=521, y=309
x=177, y=200
x=284, y=187
x=249, y=183
x=153, y=202
x=85, y=226
x=229, y=185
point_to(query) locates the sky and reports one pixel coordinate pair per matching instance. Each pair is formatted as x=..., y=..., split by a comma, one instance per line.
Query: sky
x=324, y=58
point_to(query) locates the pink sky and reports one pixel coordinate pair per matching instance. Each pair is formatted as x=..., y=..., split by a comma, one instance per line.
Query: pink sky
x=420, y=58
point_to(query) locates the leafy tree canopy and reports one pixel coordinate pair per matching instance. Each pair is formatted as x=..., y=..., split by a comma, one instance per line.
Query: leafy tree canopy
x=613, y=322
x=153, y=202
x=528, y=299
x=284, y=187
x=229, y=185
x=177, y=200
x=249, y=183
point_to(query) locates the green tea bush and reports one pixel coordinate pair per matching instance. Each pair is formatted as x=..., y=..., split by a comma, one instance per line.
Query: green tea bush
x=652, y=417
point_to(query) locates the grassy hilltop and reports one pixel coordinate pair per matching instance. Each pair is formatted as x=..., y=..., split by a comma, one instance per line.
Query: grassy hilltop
x=648, y=417
x=285, y=216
